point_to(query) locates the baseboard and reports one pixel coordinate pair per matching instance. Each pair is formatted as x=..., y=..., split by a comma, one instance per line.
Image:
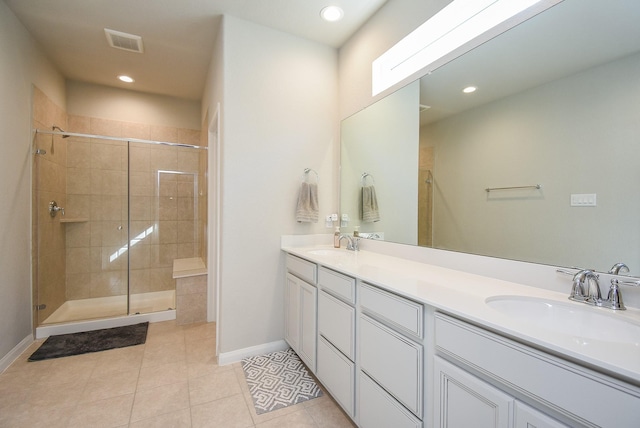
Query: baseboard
x=15, y=352
x=234, y=356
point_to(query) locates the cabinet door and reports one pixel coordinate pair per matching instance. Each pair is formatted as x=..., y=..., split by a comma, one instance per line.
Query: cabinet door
x=308, y=336
x=378, y=409
x=292, y=312
x=528, y=417
x=463, y=400
x=337, y=374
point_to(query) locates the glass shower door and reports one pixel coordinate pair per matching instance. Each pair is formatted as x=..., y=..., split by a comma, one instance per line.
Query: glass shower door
x=88, y=276
x=164, y=221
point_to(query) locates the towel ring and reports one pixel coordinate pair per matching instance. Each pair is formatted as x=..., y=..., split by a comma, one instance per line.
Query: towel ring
x=363, y=178
x=307, y=171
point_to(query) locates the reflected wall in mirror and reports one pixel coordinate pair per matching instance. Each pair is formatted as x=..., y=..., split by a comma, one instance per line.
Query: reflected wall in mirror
x=557, y=104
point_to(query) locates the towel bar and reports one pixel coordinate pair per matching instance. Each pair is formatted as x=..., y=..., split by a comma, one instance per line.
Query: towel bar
x=535, y=186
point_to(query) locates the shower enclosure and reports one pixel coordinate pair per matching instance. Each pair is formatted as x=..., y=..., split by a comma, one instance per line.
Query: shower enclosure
x=110, y=216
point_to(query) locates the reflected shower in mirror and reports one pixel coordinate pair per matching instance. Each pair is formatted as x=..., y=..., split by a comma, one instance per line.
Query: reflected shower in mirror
x=556, y=104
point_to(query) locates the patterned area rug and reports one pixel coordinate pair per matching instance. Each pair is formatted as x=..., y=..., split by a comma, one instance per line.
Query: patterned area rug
x=278, y=380
x=65, y=345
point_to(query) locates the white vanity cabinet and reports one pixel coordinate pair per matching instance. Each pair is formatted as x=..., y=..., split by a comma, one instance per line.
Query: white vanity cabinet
x=337, y=336
x=513, y=373
x=462, y=400
x=391, y=359
x=300, y=309
x=528, y=417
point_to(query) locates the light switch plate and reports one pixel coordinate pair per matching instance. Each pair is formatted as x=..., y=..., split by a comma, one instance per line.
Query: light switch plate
x=583, y=199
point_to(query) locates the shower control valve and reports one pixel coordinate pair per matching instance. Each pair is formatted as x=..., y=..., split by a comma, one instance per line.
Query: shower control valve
x=54, y=208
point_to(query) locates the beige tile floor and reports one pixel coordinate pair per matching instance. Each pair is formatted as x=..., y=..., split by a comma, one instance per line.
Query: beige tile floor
x=172, y=380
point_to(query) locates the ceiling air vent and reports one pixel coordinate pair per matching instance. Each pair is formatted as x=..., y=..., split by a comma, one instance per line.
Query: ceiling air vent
x=120, y=40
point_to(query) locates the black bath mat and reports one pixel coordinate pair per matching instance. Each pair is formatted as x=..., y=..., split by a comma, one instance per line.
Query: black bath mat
x=65, y=345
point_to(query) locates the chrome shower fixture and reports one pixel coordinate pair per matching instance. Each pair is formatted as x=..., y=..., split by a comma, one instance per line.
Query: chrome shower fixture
x=57, y=128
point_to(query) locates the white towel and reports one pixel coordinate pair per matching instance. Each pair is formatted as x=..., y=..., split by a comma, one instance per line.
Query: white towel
x=307, y=209
x=370, y=211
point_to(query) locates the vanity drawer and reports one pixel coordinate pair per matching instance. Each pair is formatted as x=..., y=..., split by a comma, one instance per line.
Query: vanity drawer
x=337, y=374
x=403, y=314
x=336, y=322
x=337, y=284
x=302, y=268
x=378, y=409
x=393, y=361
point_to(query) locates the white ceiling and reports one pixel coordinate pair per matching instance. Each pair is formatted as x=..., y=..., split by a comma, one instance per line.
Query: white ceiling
x=570, y=37
x=178, y=35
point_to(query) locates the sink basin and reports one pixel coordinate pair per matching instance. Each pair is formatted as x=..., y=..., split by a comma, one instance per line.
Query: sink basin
x=582, y=322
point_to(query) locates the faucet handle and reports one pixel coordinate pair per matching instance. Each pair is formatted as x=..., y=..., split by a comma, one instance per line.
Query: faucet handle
x=614, y=298
x=626, y=282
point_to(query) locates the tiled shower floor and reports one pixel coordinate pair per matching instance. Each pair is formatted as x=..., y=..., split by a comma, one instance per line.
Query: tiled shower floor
x=172, y=380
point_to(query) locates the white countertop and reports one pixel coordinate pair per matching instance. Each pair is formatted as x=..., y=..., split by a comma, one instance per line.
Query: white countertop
x=464, y=295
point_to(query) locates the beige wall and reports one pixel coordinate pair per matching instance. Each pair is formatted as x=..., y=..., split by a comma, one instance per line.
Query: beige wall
x=278, y=117
x=388, y=26
x=21, y=65
x=382, y=140
x=86, y=99
x=49, y=184
x=585, y=145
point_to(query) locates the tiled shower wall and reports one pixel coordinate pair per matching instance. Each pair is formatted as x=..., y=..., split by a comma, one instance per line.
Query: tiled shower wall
x=49, y=182
x=165, y=222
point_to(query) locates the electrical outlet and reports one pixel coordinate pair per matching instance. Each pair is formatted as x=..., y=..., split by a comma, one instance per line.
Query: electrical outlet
x=328, y=223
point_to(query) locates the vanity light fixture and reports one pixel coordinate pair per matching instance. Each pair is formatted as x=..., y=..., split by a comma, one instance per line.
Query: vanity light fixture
x=459, y=27
x=469, y=89
x=126, y=79
x=332, y=13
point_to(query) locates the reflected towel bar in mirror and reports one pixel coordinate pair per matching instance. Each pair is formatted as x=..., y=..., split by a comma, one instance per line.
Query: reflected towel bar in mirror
x=491, y=189
x=364, y=176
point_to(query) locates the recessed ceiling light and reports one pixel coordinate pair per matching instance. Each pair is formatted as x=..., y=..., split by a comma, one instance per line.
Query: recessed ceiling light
x=126, y=79
x=469, y=89
x=332, y=13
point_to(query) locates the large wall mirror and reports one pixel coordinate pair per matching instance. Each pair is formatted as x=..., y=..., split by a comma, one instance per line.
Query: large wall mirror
x=553, y=131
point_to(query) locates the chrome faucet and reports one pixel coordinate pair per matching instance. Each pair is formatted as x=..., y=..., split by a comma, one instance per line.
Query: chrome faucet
x=619, y=268
x=586, y=289
x=352, y=242
x=591, y=294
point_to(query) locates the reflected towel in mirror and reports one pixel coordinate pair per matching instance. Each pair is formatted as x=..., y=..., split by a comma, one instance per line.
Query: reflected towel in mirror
x=370, y=212
x=307, y=208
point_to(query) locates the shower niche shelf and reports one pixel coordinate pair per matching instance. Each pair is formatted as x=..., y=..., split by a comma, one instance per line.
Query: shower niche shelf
x=74, y=220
